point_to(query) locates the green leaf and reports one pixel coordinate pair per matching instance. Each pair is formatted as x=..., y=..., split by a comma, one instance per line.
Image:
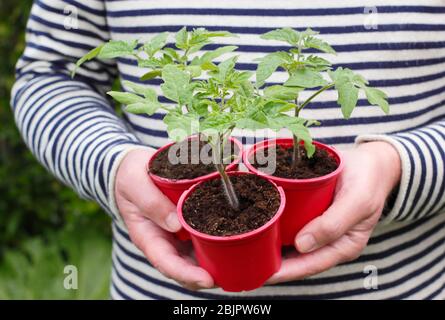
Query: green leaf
x=180, y=126
x=281, y=92
x=224, y=68
x=209, y=66
x=315, y=43
x=213, y=34
x=377, y=97
x=151, y=74
x=347, y=97
x=125, y=97
x=285, y=34
x=171, y=52
x=212, y=55
x=305, y=78
x=176, y=86
x=345, y=74
x=148, y=107
x=90, y=55
x=182, y=39
x=250, y=124
x=195, y=71
x=117, y=48
x=217, y=121
x=269, y=64
x=156, y=43
x=147, y=92
x=317, y=63
x=246, y=89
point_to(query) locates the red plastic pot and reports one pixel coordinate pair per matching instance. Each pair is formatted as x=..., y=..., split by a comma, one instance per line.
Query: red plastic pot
x=239, y=262
x=306, y=198
x=173, y=189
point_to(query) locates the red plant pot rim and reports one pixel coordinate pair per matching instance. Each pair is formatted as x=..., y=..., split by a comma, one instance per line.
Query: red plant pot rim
x=181, y=182
x=237, y=237
x=265, y=143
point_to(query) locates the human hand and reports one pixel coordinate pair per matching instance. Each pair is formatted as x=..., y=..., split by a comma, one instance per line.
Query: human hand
x=371, y=172
x=151, y=218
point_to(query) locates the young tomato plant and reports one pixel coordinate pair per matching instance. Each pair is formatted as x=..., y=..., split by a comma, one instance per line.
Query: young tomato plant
x=210, y=106
x=306, y=71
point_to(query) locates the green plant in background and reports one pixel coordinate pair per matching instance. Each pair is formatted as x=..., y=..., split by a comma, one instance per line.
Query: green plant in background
x=36, y=211
x=306, y=71
x=35, y=269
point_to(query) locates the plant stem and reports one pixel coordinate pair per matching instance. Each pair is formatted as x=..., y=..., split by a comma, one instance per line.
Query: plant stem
x=296, y=156
x=229, y=190
x=314, y=95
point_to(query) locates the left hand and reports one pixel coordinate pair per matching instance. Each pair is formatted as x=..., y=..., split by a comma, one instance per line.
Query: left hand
x=371, y=172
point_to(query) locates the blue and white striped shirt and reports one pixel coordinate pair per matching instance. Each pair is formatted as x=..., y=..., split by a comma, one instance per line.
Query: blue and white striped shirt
x=73, y=130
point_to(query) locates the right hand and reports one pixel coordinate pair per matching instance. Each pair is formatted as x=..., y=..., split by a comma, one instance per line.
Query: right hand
x=151, y=220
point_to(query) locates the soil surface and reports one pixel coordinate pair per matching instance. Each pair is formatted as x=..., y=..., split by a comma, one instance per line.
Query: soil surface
x=208, y=211
x=190, y=166
x=319, y=165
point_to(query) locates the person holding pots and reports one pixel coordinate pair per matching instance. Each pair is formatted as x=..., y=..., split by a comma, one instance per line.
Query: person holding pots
x=381, y=238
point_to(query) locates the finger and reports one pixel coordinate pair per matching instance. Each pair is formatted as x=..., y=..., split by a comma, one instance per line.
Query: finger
x=154, y=205
x=157, y=246
x=305, y=265
x=345, y=212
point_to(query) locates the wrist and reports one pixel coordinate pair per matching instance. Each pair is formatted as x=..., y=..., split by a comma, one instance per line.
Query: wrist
x=387, y=160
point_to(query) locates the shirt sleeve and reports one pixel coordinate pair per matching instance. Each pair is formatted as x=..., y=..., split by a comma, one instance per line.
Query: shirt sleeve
x=68, y=124
x=421, y=192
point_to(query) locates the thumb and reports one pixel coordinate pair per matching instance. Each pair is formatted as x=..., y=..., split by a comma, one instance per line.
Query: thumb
x=341, y=216
x=137, y=195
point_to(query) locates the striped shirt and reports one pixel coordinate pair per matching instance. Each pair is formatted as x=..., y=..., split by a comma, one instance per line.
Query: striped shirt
x=73, y=130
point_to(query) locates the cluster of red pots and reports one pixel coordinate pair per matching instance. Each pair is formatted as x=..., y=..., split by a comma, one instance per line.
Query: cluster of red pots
x=245, y=261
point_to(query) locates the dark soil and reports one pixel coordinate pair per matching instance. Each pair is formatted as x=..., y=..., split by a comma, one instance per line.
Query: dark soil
x=189, y=169
x=208, y=211
x=319, y=165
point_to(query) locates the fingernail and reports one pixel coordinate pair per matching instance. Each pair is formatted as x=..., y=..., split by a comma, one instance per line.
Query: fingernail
x=172, y=222
x=306, y=243
x=203, y=284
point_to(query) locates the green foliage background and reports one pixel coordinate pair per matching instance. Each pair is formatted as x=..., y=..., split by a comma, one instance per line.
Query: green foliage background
x=44, y=226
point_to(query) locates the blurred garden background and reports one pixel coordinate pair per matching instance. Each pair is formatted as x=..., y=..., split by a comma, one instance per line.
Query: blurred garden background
x=44, y=226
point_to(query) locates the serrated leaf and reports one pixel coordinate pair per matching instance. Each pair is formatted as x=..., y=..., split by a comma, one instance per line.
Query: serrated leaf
x=250, y=124
x=317, y=63
x=347, y=97
x=224, y=68
x=147, y=92
x=315, y=43
x=117, y=48
x=176, y=86
x=125, y=97
x=285, y=34
x=281, y=92
x=305, y=78
x=156, y=43
x=345, y=74
x=209, y=66
x=171, y=52
x=377, y=97
x=151, y=74
x=148, y=107
x=195, y=71
x=180, y=126
x=212, y=55
x=213, y=34
x=89, y=56
x=246, y=88
x=182, y=39
x=269, y=64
